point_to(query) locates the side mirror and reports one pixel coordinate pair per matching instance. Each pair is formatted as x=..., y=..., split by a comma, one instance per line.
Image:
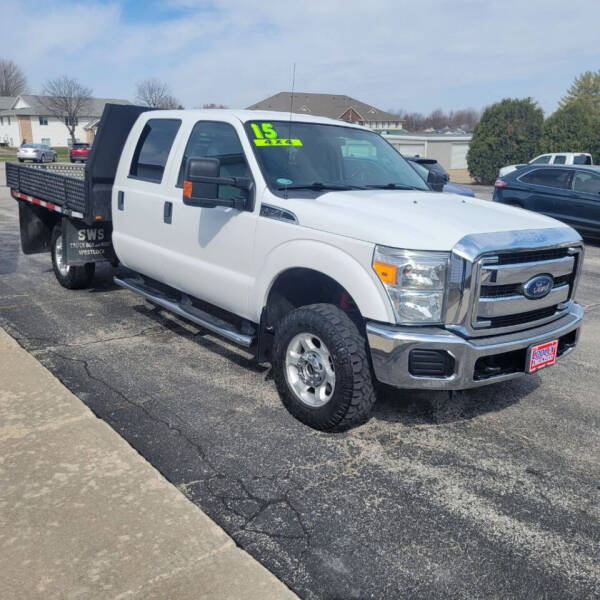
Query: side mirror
x=201, y=185
x=437, y=181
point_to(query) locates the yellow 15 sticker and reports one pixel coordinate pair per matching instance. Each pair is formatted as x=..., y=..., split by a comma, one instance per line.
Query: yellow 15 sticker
x=265, y=135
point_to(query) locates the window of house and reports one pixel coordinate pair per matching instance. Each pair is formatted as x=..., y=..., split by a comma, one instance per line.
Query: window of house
x=46, y=142
x=1, y=120
x=152, y=150
x=8, y=118
x=71, y=122
x=556, y=178
x=217, y=140
x=588, y=183
x=43, y=120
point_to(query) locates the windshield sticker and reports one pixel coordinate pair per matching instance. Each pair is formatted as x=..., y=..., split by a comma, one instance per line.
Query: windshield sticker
x=266, y=135
x=284, y=181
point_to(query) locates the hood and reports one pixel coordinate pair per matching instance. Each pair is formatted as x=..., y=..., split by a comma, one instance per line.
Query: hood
x=410, y=219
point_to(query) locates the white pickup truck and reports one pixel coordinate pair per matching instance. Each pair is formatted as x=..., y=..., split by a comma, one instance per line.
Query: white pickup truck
x=314, y=244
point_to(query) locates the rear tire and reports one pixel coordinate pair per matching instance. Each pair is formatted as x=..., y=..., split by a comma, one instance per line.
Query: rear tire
x=333, y=360
x=69, y=276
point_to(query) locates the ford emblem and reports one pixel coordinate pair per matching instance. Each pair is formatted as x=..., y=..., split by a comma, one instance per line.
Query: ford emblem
x=538, y=287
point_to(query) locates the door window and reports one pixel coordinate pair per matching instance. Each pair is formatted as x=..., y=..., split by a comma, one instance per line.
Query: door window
x=555, y=178
x=541, y=160
x=560, y=159
x=211, y=139
x=588, y=183
x=582, y=159
x=152, y=150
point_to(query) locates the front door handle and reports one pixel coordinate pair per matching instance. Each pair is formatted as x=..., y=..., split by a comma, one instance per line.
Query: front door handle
x=121, y=200
x=168, y=212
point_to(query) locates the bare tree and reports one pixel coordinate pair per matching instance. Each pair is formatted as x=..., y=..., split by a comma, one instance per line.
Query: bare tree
x=155, y=93
x=12, y=79
x=213, y=105
x=67, y=100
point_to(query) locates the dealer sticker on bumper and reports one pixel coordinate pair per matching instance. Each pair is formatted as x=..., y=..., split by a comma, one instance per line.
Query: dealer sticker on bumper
x=542, y=355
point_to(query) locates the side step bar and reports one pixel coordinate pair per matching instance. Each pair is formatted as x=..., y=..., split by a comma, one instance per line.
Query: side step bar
x=185, y=309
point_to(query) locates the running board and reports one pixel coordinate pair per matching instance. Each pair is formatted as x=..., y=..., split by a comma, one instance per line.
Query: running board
x=185, y=309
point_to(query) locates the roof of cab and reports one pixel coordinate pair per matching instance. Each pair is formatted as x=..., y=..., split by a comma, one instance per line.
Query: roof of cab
x=252, y=115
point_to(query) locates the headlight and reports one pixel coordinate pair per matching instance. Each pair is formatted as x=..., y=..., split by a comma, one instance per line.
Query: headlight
x=415, y=283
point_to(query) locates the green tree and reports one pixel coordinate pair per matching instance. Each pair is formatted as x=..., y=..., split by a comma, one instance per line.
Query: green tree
x=574, y=127
x=585, y=88
x=508, y=133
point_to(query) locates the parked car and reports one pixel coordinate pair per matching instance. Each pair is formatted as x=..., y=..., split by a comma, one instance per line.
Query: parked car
x=552, y=158
x=36, y=153
x=338, y=269
x=424, y=166
x=79, y=152
x=570, y=194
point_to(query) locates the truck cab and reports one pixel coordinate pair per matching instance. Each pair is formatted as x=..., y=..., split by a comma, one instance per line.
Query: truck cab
x=316, y=245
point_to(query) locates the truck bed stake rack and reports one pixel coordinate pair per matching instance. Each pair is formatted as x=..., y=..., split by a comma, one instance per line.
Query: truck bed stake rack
x=185, y=309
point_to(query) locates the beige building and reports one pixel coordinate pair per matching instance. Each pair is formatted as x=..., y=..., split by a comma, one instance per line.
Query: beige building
x=333, y=106
x=449, y=149
x=25, y=118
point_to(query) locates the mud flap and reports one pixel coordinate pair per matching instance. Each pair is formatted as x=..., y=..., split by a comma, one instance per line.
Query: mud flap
x=35, y=224
x=87, y=243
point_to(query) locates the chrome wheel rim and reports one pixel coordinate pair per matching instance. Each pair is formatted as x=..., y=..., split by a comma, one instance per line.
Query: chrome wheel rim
x=61, y=265
x=309, y=370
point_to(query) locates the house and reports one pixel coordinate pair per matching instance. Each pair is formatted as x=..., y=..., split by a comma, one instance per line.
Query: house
x=449, y=149
x=26, y=118
x=333, y=106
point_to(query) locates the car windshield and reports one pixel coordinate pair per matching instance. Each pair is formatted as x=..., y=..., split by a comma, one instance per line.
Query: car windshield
x=81, y=145
x=29, y=146
x=421, y=170
x=317, y=157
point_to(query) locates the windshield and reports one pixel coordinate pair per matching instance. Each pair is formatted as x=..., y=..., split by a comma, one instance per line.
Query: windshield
x=317, y=157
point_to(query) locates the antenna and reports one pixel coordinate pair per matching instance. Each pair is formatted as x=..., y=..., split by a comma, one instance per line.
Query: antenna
x=290, y=121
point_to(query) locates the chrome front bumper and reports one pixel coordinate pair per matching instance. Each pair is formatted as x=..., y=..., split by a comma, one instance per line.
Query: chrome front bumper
x=391, y=346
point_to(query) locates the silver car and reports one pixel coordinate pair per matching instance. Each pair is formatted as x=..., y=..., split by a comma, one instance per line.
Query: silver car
x=36, y=153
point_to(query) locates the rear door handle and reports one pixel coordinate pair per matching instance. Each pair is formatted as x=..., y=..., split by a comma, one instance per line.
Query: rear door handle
x=121, y=200
x=168, y=212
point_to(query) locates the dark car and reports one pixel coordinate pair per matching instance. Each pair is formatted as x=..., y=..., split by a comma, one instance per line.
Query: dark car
x=570, y=194
x=79, y=152
x=424, y=166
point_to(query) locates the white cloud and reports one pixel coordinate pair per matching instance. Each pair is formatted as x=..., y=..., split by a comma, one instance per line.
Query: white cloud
x=392, y=54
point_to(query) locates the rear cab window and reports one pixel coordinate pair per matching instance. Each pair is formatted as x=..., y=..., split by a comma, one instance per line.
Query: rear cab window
x=554, y=178
x=153, y=148
x=560, y=159
x=582, y=159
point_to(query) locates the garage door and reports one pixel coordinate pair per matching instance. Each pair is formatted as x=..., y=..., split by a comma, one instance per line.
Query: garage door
x=410, y=149
x=458, y=157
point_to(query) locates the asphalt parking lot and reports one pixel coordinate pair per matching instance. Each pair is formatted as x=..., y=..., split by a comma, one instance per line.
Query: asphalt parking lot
x=491, y=493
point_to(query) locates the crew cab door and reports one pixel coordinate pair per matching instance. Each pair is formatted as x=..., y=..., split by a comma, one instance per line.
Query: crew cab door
x=141, y=236
x=586, y=201
x=548, y=191
x=210, y=249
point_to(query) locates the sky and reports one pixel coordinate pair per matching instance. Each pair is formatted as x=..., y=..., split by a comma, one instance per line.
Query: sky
x=414, y=55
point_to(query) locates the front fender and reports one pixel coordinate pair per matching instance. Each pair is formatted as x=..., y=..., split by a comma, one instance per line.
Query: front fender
x=349, y=271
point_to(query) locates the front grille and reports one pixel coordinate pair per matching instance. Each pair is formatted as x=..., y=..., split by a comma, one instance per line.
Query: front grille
x=526, y=317
x=513, y=289
x=513, y=258
x=500, y=301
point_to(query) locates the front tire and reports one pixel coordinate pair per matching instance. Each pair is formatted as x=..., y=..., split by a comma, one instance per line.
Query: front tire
x=321, y=369
x=69, y=276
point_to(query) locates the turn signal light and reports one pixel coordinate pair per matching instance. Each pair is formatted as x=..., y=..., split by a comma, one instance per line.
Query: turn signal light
x=187, y=189
x=387, y=273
